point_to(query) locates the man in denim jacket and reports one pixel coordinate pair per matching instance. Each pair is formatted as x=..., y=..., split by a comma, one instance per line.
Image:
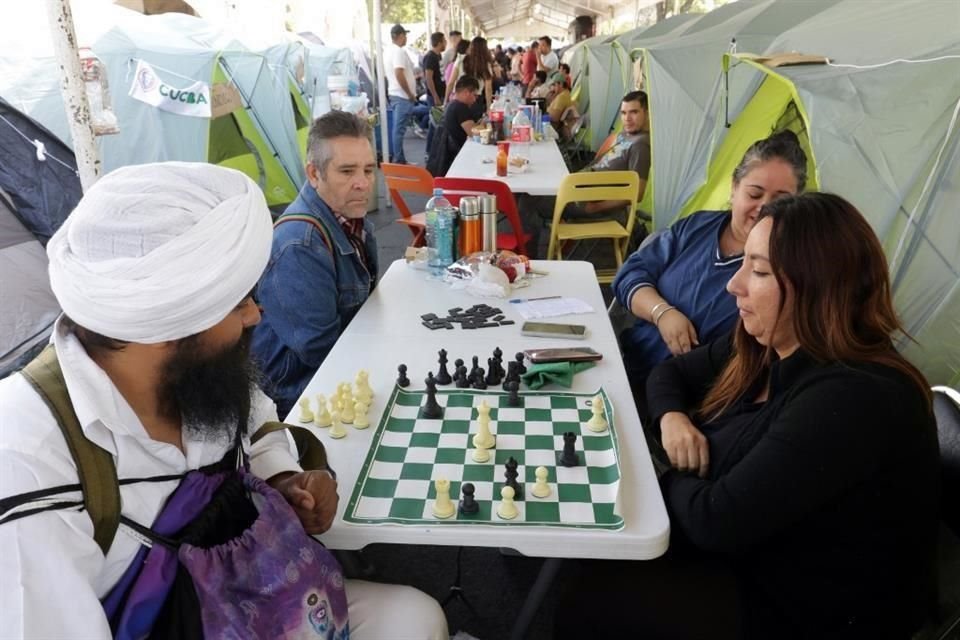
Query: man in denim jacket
x=323, y=264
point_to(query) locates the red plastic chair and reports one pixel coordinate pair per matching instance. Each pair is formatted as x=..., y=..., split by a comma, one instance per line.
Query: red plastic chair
x=405, y=178
x=455, y=188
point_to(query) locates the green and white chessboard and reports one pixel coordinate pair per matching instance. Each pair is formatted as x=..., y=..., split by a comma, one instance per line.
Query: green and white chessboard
x=408, y=453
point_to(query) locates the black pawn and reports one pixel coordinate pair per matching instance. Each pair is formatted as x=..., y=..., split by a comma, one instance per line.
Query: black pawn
x=568, y=458
x=431, y=408
x=478, y=380
x=457, y=363
x=513, y=387
x=468, y=505
x=511, y=478
x=519, y=358
x=443, y=376
x=463, y=380
x=402, y=379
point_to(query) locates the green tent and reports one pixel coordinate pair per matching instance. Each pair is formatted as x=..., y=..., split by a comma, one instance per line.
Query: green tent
x=881, y=131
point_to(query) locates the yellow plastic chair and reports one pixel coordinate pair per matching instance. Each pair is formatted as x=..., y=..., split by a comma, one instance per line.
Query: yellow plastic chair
x=593, y=187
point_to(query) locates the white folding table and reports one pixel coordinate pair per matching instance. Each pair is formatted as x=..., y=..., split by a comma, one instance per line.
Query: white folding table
x=541, y=178
x=388, y=331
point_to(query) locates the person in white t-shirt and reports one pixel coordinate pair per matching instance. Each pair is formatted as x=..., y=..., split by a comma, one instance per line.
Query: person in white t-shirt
x=547, y=59
x=401, y=91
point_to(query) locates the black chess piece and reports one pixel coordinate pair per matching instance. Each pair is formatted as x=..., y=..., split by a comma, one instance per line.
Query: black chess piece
x=492, y=378
x=475, y=367
x=519, y=358
x=513, y=387
x=463, y=380
x=568, y=457
x=498, y=359
x=457, y=363
x=468, y=505
x=511, y=478
x=443, y=376
x=479, y=381
x=402, y=379
x=498, y=353
x=431, y=408
x=513, y=374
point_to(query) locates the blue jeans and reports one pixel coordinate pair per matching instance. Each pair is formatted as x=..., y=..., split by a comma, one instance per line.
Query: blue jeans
x=403, y=109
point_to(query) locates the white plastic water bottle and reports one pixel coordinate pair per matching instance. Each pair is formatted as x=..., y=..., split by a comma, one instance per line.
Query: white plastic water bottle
x=521, y=130
x=440, y=220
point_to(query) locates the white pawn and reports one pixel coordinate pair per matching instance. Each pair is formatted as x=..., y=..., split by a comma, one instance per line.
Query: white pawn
x=597, y=423
x=335, y=400
x=347, y=409
x=360, y=419
x=541, y=489
x=507, y=509
x=483, y=437
x=306, y=415
x=336, y=430
x=443, y=505
x=322, y=418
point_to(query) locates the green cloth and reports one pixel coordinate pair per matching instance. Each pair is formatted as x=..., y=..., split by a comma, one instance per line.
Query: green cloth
x=561, y=373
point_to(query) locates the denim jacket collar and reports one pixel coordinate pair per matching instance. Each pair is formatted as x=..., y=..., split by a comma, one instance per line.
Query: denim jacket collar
x=315, y=205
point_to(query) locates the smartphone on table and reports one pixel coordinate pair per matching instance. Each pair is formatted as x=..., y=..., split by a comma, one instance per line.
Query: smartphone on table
x=562, y=354
x=554, y=330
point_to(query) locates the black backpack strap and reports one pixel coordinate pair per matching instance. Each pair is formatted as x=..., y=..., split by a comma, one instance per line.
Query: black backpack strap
x=95, y=467
x=313, y=456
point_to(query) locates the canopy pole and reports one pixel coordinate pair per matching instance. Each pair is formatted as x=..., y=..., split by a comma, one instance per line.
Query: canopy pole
x=75, y=101
x=381, y=76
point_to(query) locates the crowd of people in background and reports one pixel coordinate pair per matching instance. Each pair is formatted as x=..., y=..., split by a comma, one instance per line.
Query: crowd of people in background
x=420, y=93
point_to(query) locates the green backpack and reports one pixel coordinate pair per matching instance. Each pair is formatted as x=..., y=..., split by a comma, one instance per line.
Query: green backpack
x=95, y=467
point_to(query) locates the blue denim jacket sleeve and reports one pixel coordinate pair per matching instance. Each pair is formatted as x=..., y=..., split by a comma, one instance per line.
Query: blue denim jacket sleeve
x=299, y=292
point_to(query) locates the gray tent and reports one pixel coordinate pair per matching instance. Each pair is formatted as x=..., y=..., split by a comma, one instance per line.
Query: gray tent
x=38, y=190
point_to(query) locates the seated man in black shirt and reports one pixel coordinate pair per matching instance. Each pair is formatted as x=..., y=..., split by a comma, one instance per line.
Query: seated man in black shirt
x=456, y=125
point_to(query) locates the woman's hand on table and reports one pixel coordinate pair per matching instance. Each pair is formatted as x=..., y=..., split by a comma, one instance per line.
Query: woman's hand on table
x=677, y=331
x=685, y=446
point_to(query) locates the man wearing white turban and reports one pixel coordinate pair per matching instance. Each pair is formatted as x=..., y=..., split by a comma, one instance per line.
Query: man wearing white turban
x=154, y=271
x=323, y=263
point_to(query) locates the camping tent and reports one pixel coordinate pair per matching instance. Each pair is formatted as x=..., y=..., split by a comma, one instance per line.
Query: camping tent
x=883, y=133
x=37, y=192
x=181, y=50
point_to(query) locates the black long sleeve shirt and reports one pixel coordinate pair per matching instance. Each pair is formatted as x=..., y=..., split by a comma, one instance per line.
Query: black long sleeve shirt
x=824, y=496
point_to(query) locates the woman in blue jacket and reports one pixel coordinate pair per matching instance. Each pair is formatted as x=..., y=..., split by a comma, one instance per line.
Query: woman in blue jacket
x=675, y=283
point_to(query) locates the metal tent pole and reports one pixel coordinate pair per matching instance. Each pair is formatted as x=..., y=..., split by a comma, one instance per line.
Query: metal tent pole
x=380, y=77
x=75, y=101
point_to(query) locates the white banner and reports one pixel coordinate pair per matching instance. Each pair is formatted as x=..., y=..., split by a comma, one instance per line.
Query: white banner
x=148, y=87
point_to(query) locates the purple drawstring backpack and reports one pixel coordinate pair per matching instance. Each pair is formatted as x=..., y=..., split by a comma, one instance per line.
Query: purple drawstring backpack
x=227, y=557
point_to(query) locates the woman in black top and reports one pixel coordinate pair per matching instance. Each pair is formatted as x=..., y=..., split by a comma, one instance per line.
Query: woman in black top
x=804, y=448
x=802, y=479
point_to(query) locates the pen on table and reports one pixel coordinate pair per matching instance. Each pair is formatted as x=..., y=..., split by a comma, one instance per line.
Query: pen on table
x=518, y=300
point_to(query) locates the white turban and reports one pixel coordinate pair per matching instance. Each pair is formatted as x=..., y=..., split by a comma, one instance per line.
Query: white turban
x=158, y=252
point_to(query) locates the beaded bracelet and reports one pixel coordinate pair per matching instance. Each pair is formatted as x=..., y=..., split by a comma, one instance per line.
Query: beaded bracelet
x=656, y=321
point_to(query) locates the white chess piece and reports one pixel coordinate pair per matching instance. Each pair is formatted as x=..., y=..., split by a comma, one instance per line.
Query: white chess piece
x=507, y=509
x=597, y=423
x=483, y=436
x=360, y=419
x=336, y=430
x=306, y=415
x=322, y=417
x=362, y=383
x=480, y=453
x=443, y=505
x=347, y=409
x=541, y=489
